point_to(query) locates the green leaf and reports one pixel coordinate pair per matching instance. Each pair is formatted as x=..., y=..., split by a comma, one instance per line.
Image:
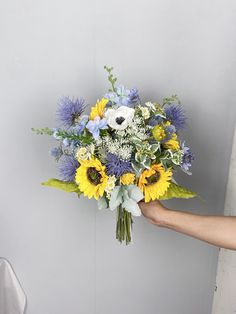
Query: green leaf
x=63, y=185
x=42, y=131
x=177, y=191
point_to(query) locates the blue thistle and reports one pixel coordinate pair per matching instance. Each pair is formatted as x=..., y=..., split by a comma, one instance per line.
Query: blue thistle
x=69, y=111
x=56, y=152
x=115, y=166
x=175, y=113
x=67, y=168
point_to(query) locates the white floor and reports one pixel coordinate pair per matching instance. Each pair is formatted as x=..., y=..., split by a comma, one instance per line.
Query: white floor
x=225, y=294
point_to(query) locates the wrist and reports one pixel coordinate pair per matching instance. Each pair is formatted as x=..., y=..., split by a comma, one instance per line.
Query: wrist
x=162, y=217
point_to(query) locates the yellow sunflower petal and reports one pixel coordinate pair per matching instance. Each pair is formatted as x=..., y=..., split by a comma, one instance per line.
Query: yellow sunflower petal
x=98, y=109
x=91, y=189
x=153, y=191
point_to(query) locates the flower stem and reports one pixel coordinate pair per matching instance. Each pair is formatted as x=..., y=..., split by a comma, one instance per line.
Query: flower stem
x=124, y=226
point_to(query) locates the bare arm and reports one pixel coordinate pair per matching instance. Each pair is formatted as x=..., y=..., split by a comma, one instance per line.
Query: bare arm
x=217, y=230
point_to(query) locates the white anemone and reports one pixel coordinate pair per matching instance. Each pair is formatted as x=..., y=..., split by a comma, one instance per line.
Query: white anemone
x=119, y=118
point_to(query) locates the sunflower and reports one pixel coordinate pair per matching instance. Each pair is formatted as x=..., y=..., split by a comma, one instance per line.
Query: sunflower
x=91, y=178
x=154, y=182
x=98, y=109
x=173, y=143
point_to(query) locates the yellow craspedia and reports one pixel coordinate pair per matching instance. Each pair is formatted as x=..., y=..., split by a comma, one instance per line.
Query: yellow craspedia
x=91, y=178
x=154, y=182
x=173, y=143
x=127, y=178
x=158, y=133
x=167, y=123
x=98, y=109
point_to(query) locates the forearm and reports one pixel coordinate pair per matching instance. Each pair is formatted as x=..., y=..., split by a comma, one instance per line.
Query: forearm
x=217, y=230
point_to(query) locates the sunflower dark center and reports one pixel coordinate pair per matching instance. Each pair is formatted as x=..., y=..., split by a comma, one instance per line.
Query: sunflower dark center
x=153, y=178
x=120, y=120
x=94, y=176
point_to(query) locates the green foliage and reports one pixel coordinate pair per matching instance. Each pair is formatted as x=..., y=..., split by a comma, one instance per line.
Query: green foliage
x=63, y=185
x=144, y=155
x=42, y=131
x=177, y=191
x=111, y=78
x=84, y=138
x=171, y=100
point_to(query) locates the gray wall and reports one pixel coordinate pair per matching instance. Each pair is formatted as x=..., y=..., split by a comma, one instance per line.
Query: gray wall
x=62, y=248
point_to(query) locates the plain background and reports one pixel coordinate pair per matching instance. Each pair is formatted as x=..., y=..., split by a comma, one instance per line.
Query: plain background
x=62, y=249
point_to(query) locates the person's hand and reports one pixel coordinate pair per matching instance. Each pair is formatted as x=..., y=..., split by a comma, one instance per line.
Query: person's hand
x=154, y=211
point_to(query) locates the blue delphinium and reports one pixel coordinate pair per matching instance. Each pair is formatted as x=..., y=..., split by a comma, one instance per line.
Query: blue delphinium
x=69, y=111
x=187, y=158
x=79, y=128
x=67, y=168
x=124, y=97
x=175, y=113
x=94, y=126
x=115, y=166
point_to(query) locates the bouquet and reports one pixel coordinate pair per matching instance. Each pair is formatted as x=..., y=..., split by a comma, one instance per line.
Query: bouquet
x=122, y=152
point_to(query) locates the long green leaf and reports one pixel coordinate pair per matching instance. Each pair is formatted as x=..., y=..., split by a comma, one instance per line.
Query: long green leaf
x=177, y=191
x=62, y=185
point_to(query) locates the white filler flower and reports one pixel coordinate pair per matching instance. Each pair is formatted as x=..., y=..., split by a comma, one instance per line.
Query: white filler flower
x=119, y=118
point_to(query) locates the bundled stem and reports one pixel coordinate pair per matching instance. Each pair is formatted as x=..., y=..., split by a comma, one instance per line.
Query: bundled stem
x=123, y=226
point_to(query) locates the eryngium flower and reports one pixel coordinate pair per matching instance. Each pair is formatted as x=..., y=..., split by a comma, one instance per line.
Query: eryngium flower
x=69, y=111
x=176, y=115
x=116, y=167
x=67, y=168
x=56, y=152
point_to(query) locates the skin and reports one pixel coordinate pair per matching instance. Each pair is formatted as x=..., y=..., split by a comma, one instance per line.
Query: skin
x=217, y=230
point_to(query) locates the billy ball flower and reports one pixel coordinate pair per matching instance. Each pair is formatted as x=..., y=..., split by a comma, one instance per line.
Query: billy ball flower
x=127, y=178
x=119, y=119
x=69, y=111
x=172, y=143
x=158, y=133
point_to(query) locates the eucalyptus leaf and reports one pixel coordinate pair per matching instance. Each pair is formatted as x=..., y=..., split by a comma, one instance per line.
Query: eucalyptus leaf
x=102, y=203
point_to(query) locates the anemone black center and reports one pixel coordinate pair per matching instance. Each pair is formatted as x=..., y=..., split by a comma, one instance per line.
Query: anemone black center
x=153, y=178
x=93, y=175
x=120, y=120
